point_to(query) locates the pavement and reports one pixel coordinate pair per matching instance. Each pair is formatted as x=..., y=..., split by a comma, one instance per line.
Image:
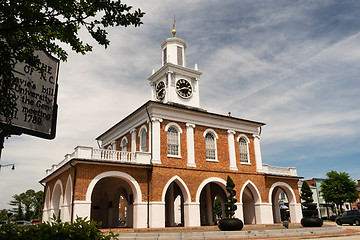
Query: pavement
x=259, y=231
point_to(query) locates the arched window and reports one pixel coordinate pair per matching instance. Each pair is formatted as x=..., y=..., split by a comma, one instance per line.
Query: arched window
x=244, y=153
x=124, y=145
x=173, y=141
x=143, y=136
x=210, y=146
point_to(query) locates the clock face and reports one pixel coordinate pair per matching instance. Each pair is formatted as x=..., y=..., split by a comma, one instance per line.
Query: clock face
x=160, y=90
x=183, y=88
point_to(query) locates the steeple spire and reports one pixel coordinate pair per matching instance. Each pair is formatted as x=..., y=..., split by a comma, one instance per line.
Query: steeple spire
x=173, y=31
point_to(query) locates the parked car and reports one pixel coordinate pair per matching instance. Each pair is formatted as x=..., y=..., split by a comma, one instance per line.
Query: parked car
x=23, y=223
x=349, y=217
x=35, y=222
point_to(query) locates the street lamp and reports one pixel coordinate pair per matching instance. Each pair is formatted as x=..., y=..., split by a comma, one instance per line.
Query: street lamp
x=7, y=165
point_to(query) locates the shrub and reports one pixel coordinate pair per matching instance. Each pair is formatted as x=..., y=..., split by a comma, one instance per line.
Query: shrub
x=81, y=229
x=306, y=196
x=230, y=206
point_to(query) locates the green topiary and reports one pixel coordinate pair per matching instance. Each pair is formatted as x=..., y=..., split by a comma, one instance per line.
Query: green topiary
x=230, y=206
x=306, y=195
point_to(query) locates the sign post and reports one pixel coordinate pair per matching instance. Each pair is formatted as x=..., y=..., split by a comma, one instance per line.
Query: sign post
x=36, y=100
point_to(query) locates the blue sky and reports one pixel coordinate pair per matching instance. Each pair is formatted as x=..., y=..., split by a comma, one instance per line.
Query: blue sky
x=294, y=65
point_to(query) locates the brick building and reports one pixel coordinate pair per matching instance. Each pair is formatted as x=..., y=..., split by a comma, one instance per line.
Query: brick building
x=165, y=163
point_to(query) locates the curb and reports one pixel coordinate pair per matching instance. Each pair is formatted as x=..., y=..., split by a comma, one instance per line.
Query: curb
x=281, y=234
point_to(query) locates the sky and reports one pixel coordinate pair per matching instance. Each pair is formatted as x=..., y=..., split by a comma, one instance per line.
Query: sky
x=294, y=65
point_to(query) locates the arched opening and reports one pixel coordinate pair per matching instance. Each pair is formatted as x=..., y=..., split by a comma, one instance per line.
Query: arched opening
x=219, y=208
x=283, y=202
x=57, y=200
x=209, y=193
x=250, y=198
x=248, y=207
x=123, y=207
x=174, y=206
x=67, y=200
x=112, y=202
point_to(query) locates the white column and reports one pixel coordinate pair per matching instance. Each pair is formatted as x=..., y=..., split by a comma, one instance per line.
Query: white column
x=150, y=134
x=264, y=213
x=82, y=209
x=140, y=215
x=192, y=214
x=66, y=213
x=232, y=154
x=46, y=215
x=156, y=140
x=190, y=144
x=157, y=215
x=295, y=212
x=258, y=159
x=133, y=140
x=239, y=213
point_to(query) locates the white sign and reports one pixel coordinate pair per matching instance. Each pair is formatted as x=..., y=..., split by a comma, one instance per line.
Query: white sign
x=36, y=94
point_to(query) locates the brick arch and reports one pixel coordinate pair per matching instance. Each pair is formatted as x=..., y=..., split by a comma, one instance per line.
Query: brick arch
x=68, y=190
x=220, y=181
x=135, y=187
x=253, y=189
x=57, y=193
x=182, y=185
x=47, y=199
x=288, y=190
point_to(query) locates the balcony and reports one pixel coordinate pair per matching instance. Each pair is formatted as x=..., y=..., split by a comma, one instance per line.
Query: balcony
x=90, y=153
x=281, y=171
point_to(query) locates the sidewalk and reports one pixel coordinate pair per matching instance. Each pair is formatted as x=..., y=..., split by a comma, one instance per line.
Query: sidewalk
x=273, y=231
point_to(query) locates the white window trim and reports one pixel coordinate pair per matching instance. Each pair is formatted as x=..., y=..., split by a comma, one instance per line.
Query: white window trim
x=247, y=145
x=175, y=125
x=127, y=142
x=209, y=130
x=143, y=128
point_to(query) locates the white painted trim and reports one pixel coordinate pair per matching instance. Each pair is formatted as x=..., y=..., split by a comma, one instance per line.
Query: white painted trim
x=247, y=140
x=172, y=124
x=47, y=199
x=252, y=187
x=212, y=160
x=220, y=181
x=190, y=144
x=143, y=128
x=232, y=152
x=243, y=136
x=288, y=190
x=68, y=184
x=58, y=182
x=155, y=140
x=67, y=196
x=121, y=145
x=135, y=187
x=209, y=130
x=175, y=125
x=184, y=189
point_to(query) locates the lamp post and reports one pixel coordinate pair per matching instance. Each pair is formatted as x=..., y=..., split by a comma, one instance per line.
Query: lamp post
x=7, y=165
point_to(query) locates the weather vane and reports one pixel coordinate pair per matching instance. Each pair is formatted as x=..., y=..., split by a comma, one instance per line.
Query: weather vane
x=173, y=30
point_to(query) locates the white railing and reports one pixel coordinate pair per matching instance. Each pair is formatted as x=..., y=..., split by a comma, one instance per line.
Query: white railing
x=112, y=155
x=90, y=153
x=282, y=171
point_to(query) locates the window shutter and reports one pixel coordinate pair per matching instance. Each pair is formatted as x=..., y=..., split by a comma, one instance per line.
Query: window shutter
x=179, y=56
